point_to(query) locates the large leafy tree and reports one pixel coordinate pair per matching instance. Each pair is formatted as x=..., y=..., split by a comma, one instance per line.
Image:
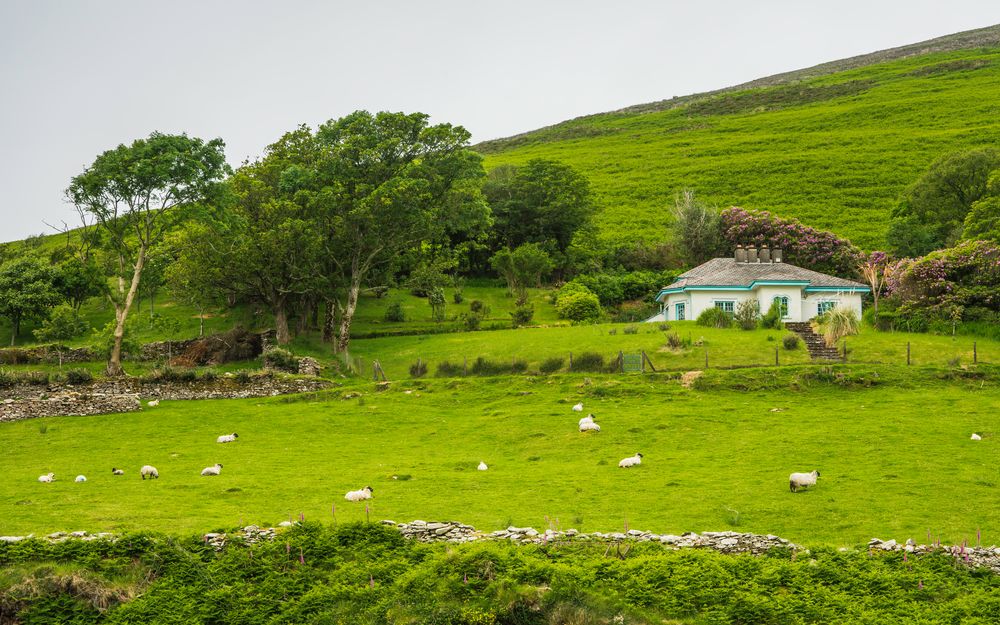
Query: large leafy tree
x=932, y=212
x=386, y=182
x=28, y=290
x=135, y=194
x=542, y=201
x=983, y=221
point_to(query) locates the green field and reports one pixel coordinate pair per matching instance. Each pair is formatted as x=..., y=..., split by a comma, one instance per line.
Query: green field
x=834, y=151
x=896, y=458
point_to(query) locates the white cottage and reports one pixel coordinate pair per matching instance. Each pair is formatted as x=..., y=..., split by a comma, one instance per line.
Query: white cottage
x=756, y=275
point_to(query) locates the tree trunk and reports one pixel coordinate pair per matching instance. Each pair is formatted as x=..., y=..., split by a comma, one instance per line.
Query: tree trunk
x=201, y=321
x=114, y=368
x=16, y=329
x=281, y=324
x=345, y=321
x=329, y=320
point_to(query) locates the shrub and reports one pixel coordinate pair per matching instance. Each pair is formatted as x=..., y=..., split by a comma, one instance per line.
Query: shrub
x=477, y=306
x=675, y=342
x=791, y=341
x=551, y=365
x=522, y=315
x=837, y=323
x=418, y=369
x=714, y=318
x=209, y=375
x=79, y=376
x=446, y=369
x=632, y=329
x=613, y=331
x=580, y=306
x=772, y=318
x=483, y=366
x=280, y=359
x=747, y=313
x=457, y=297
x=518, y=366
x=588, y=361
x=395, y=313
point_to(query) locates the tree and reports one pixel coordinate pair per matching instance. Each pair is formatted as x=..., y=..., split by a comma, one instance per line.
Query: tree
x=195, y=277
x=522, y=268
x=875, y=270
x=385, y=183
x=698, y=228
x=80, y=279
x=62, y=325
x=542, y=201
x=936, y=204
x=136, y=194
x=27, y=290
x=983, y=221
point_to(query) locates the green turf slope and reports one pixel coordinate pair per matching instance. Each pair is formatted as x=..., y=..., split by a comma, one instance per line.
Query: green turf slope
x=834, y=150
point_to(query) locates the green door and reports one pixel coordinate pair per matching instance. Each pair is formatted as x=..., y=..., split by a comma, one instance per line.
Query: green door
x=679, y=312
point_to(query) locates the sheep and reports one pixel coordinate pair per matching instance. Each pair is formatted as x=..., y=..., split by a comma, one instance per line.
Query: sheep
x=215, y=469
x=359, y=495
x=116, y=471
x=587, y=424
x=802, y=480
x=48, y=477
x=150, y=471
x=227, y=438
x=80, y=478
x=976, y=437
x=631, y=461
x=154, y=403
x=578, y=407
x=482, y=466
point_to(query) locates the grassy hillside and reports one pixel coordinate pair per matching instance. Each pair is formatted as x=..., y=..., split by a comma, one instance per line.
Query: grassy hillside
x=833, y=150
x=896, y=459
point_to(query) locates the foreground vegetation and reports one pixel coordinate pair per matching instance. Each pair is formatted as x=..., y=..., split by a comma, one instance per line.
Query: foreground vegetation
x=892, y=444
x=368, y=574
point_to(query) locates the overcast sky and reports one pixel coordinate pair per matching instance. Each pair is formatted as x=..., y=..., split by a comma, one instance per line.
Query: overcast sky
x=78, y=77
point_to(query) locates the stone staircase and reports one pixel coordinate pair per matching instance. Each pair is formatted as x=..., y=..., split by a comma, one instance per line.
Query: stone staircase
x=814, y=343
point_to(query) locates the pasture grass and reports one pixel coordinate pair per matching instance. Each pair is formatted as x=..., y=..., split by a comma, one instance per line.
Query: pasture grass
x=895, y=458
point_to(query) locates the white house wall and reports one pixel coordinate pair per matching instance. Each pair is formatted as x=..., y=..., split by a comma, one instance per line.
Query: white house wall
x=766, y=294
x=801, y=306
x=850, y=300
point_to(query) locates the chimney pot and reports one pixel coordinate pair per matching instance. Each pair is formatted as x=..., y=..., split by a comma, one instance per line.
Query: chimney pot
x=751, y=254
x=741, y=254
x=765, y=254
x=776, y=255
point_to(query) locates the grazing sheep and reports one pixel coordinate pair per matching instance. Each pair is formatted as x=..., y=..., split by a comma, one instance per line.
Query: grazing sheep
x=215, y=469
x=631, y=461
x=115, y=471
x=48, y=477
x=227, y=438
x=976, y=437
x=587, y=424
x=359, y=495
x=154, y=403
x=578, y=407
x=150, y=471
x=80, y=478
x=482, y=466
x=802, y=480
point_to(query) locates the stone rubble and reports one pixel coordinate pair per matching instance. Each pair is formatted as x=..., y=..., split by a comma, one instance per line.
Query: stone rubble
x=973, y=557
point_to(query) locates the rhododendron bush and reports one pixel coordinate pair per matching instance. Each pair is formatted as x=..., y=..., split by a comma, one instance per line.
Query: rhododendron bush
x=966, y=276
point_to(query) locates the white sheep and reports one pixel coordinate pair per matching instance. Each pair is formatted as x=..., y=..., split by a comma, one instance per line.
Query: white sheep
x=116, y=471
x=227, y=438
x=802, y=480
x=154, y=403
x=215, y=469
x=359, y=495
x=48, y=477
x=631, y=461
x=80, y=478
x=148, y=470
x=976, y=437
x=587, y=424
x=578, y=407
x=482, y=466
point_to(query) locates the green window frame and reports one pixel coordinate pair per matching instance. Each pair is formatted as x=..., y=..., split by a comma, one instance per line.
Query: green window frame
x=783, y=302
x=727, y=306
x=824, y=306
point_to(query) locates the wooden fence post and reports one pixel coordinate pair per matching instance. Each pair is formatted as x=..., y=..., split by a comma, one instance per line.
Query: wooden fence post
x=776, y=357
x=845, y=350
x=706, y=358
x=975, y=354
x=907, y=353
x=465, y=366
x=571, y=361
x=621, y=362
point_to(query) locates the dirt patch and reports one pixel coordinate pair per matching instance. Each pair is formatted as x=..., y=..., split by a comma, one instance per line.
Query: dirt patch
x=687, y=380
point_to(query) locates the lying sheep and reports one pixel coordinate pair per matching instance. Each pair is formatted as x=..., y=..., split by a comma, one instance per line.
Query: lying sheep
x=976, y=437
x=227, y=438
x=215, y=469
x=80, y=478
x=154, y=403
x=359, y=495
x=802, y=480
x=115, y=471
x=482, y=466
x=578, y=407
x=587, y=424
x=631, y=461
x=48, y=477
x=150, y=471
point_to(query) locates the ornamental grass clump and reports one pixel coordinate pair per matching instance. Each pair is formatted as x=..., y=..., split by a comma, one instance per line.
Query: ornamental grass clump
x=714, y=318
x=837, y=323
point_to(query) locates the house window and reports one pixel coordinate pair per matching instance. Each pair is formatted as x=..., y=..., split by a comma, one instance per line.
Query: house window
x=679, y=312
x=783, y=303
x=728, y=306
x=822, y=307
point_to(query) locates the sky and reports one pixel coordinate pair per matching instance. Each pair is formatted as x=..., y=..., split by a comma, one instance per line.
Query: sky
x=78, y=77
